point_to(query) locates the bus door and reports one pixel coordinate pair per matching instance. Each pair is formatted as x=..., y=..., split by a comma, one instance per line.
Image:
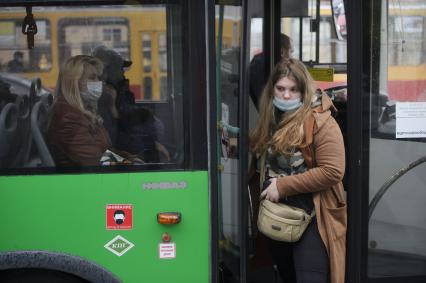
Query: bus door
x=389, y=138
x=305, y=30
x=229, y=94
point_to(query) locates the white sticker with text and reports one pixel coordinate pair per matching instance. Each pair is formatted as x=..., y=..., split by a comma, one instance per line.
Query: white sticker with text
x=410, y=120
x=167, y=250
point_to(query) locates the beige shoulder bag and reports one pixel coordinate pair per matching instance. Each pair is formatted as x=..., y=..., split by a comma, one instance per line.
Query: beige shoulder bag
x=279, y=221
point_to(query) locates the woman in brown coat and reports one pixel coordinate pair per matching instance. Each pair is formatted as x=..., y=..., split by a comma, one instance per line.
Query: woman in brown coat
x=304, y=150
x=76, y=135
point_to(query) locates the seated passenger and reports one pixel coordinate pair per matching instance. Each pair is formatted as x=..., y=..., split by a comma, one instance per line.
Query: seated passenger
x=145, y=132
x=117, y=101
x=76, y=135
x=131, y=128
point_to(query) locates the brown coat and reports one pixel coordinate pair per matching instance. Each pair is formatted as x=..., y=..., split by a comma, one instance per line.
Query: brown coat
x=73, y=139
x=325, y=156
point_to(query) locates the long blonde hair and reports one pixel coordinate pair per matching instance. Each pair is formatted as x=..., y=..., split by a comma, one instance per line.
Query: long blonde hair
x=289, y=132
x=68, y=82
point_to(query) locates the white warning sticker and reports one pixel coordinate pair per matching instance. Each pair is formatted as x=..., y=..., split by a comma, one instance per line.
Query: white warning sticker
x=167, y=250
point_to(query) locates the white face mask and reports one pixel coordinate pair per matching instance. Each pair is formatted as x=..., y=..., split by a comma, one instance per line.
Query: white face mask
x=94, y=91
x=287, y=105
x=95, y=88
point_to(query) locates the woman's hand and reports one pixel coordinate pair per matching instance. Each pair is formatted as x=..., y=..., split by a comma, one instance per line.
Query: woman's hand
x=271, y=192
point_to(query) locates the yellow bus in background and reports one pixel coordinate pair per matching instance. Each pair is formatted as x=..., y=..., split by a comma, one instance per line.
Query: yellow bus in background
x=141, y=39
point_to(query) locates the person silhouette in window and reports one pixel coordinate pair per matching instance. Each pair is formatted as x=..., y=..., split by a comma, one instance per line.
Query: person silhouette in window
x=17, y=64
x=131, y=127
x=257, y=69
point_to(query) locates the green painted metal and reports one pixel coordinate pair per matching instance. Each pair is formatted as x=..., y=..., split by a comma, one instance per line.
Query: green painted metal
x=67, y=213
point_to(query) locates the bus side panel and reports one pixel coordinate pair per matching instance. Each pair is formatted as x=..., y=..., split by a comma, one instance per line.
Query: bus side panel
x=67, y=214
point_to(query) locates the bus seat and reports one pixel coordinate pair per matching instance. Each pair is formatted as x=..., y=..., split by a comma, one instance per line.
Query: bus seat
x=22, y=141
x=39, y=119
x=8, y=126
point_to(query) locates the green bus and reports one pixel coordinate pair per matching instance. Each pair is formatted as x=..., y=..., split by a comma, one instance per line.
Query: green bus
x=184, y=212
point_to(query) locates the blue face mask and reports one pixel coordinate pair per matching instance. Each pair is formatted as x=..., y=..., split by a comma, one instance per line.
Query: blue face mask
x=287, y=105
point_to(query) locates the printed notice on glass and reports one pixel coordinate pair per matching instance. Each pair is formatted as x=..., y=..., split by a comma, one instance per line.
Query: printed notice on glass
x=410, y=120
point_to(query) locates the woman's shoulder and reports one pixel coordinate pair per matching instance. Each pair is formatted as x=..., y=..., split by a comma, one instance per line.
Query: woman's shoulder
x=63, y=112
x=320, y=123
x=321, y=114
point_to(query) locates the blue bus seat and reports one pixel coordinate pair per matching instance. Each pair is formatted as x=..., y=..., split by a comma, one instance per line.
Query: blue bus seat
x=39, y=124
x=22, y=142
x=8, y=126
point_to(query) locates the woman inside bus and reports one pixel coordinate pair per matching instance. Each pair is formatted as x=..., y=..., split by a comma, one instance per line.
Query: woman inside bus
x=76, y=135
x=304, y=146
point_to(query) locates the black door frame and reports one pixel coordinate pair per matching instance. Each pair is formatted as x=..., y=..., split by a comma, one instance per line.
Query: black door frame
x=358, y=67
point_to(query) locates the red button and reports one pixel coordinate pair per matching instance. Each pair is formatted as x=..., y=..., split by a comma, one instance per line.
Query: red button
x=166, y=237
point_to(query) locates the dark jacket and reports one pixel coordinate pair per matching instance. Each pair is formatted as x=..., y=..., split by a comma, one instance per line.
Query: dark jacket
x=72, y=137
x=257, y=78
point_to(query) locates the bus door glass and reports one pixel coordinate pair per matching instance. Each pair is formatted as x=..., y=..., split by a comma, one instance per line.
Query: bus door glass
x=397, y=144
x=310, y=27
x=228, y=23
x=314, y=31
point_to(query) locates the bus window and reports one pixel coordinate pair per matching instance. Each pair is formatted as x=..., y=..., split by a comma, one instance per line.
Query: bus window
x=15, y=57
x=162, y=52
x=147, y=88
x=396, y=145
x=109, y=31
x=331, y=50
x=132, y=42
x=403, y=66
x=339, y=18
x=332, y=43
x=406, y=54
x=163, y=88
x=154, y=62
x=315, y=40
x=146, y=52
x=112, y=34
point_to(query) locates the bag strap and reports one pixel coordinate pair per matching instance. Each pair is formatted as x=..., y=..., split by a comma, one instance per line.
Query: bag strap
x=262, y=171
x=312, y=215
